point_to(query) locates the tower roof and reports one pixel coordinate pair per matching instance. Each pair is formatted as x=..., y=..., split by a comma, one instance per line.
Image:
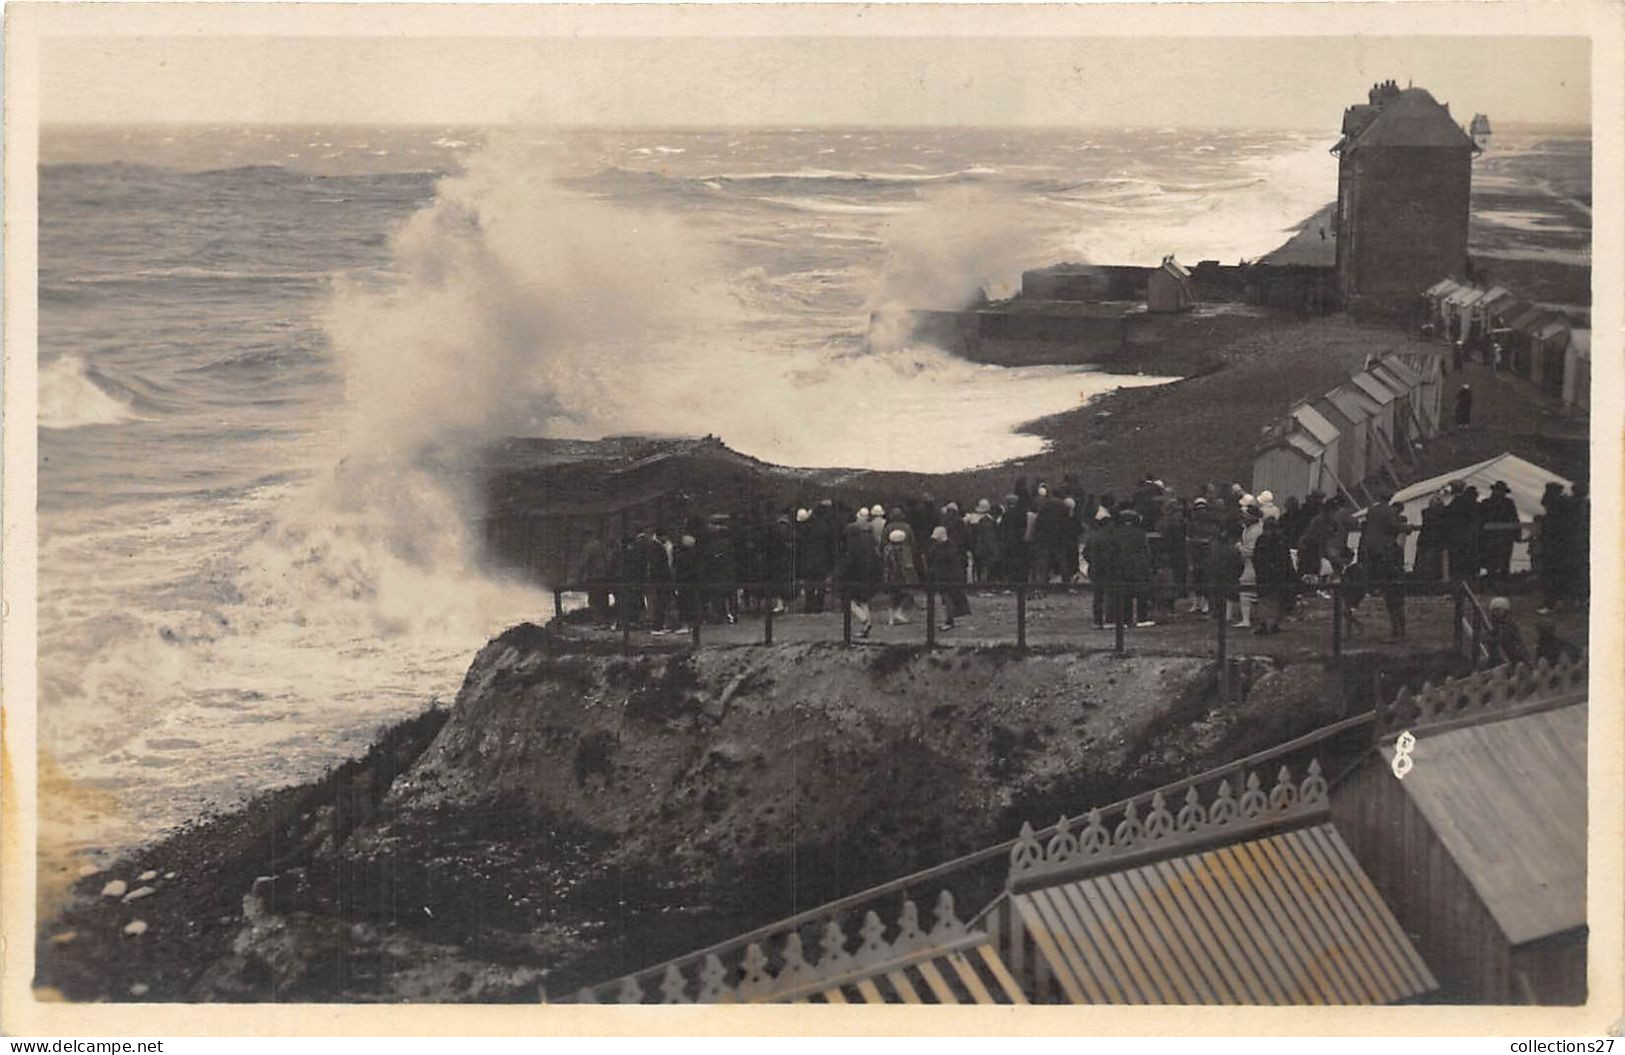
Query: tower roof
x=1411, y=117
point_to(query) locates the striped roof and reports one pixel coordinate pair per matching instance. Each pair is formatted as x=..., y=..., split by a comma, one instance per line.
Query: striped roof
x=1285, y=919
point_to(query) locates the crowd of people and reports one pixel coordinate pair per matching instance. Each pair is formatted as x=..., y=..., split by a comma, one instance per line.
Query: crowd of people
x=1149, y=554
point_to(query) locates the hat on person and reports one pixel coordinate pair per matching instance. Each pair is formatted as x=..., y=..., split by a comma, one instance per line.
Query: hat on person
x=984, y=506
x=1500, y=604
x=1102, y=514
x=688, y=541
x=1499, y=485
x=939, y=534
x=1011, y=500
x=1130, y=515
x=1248, y=500
x=1266, y=497
x=863, y=512
x=877, y=510
x=896, y=513
x=802, y=515
x=1070, y=502
x=898, y=535
x=826, y=502
x=951, y=505
x=1200, y=501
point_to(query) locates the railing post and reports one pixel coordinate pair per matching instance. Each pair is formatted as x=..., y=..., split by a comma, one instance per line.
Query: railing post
x=1224, y=652
x=846, y=620
x=1119, y=596
x=626, y=633
x=1460, y=593
x=1478, y=635
x=558, y=604
x=767, y=622
x=930, y=616
x=694, y=620
x=1337, y=619
x=1021, y=616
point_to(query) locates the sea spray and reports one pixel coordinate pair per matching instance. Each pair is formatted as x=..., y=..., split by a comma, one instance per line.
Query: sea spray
x=963, y=244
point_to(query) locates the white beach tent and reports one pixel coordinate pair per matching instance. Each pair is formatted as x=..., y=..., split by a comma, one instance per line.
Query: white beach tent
x=1526, y=483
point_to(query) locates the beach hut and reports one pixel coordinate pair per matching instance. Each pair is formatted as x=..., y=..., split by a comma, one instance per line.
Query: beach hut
x=1492, y=308
x=1349, y=465
x=1428, y=367
x=1481, y=848
x=1577, y=370
x=1523, y=320
x=1385, y=421
x=1362, y=412
x=1526, y=483
x=1435, y=298
x=1393, y=371
x=1457, y=308
x=1298, y=456
x=1168, y=288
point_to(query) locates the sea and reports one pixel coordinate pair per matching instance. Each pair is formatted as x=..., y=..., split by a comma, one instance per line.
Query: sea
x=263, y=351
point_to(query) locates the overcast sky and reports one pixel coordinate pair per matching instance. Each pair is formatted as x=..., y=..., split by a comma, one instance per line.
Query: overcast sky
x=1295, y=82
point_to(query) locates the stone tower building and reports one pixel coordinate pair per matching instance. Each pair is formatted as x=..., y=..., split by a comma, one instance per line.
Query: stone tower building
x=1404, y=177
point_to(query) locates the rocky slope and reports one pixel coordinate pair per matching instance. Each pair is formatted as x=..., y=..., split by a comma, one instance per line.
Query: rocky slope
x=581, y=814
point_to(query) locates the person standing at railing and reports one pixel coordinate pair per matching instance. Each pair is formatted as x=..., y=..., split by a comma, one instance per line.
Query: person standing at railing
x=1498, y=530
x=1224, y=569
x=1202, y=533
x=984, y=541
x=901, y=572
x=1171, y=526
x=1012, y=540
x=1505, y=640
x=1252, y=529
x=1272, y=564
x=1100, y=550
x=719, y=571
x=591, y=569
x=1430, y=542
x=945, y=572
x=858, y=573
x=1461, y=531
x=1134, y=568
x=685, y=573
x=1557, y=547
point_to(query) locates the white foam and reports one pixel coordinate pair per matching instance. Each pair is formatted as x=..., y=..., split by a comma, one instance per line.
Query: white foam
x=70, y=399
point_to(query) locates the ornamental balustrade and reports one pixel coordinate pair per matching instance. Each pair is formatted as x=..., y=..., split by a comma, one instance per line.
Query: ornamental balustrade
x=782, y=968
x=1498, y=691
x=1106, y=841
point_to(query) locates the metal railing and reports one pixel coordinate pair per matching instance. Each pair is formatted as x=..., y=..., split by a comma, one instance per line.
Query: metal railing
x=692, y=600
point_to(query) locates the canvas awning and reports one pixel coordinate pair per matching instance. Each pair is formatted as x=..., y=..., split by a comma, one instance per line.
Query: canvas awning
x=1526, y=484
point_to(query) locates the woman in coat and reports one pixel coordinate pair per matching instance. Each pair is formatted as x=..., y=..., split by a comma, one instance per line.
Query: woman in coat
x=900, y=573
x=1272, y=566
x=945, y=571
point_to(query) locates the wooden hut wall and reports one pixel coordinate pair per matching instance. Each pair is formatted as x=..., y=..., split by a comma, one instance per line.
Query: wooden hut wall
x=1551, y=971
x=1287, y=471
x=1428, y=893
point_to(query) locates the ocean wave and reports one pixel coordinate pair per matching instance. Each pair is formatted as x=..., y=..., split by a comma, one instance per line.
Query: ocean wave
x=825, y=205
x=812, y=175
x=69, y=397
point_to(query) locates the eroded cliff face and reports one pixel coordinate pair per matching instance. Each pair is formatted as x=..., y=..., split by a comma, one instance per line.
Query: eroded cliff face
x=582, y=814
x=705, y=761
